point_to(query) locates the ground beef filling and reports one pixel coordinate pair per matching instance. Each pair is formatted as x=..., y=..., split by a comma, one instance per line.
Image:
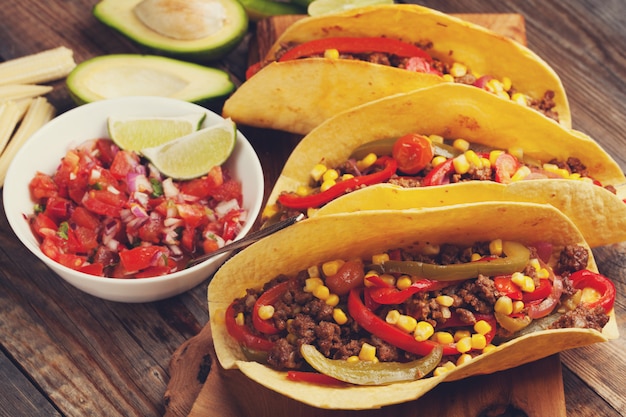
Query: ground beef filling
x=305, y=319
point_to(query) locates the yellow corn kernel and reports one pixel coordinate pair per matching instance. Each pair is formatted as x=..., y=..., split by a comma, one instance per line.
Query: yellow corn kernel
x=313, y=271
x=270, y=210
x=489, y=348
x=458, y=70
x=430, y=249
x=423, y=331
x=464, y=345
x=503, y=94
x=504, y=305
x=461, y=164
x=482, y=327
x=444, y=300
x=331, y=53
x=291, y=338
x=380, y=258
x=473, y=158
x=388, y=278
x=367, y=352
x=330, y=175
x=332, y=300
x=317, y=171
x=461, y=144
x=589, y=295
x=346, y=177
x=366, y=281
x=352, y=359
x=327, y=184
x=403, y=282
x=461, y=333
x=463, y=359
x=525, y=282
x=445, y=312
x=495, y=247
x=449, y=78
x=506, y=83
x=406, y=323
x=339, y=316
x=303, y=190
x=518, y=306
x=310, y=212
x=367, y=161
x=493, y=156
x=438, y=160
x=443, y=337
x=322, y=292
x=563, y=172
x=331, y=267
x=475, y=257
x=266, y=312
x=435, y=138
x=543, y=273
x=519, y=98
x=310, y=284
x=478, y=341
x=446, y=367
x=550, y=167
x=392, y=316
x=574, y=176
x=486, y=163
x=521, y=173
x=239, y=319
x=534, y=262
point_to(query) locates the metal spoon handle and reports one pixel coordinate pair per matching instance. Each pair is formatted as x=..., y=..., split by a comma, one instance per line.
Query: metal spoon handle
x=249, y=239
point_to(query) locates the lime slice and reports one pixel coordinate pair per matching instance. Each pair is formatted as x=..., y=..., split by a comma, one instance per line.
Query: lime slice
x=194, y=155
x=136, y=133
x=320, y=7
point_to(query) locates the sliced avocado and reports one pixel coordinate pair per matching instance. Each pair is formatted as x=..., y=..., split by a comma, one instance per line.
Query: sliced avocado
x=223, y=25
x=119, y=75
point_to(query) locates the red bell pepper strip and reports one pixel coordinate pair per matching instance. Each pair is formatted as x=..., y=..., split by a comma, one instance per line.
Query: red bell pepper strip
x=543, y=290
x=294, y=201
x=242, y=334
x=389, y=294
x=390, y=334
x=506, y=166
x=588, y=279
x=313, y=378
x=440, y=175
x=355, y=45
x=269, y=297
x=506, y=286
x=455, y=321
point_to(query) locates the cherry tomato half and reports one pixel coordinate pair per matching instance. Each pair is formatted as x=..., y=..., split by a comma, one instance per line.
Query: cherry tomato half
x=412, y=152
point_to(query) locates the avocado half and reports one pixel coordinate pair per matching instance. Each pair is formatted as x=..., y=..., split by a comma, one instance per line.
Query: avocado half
x=120, y=75
x=226, y=23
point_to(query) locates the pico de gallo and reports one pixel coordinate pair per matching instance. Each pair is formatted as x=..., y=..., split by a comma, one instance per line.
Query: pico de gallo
x=415, y=160
x=412, y=312
x=108, y=212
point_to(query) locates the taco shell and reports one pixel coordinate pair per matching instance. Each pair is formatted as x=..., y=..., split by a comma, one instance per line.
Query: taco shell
x=362, y=234
x=299, y=96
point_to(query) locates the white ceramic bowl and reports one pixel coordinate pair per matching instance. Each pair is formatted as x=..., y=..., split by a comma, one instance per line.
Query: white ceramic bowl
x=43, y=152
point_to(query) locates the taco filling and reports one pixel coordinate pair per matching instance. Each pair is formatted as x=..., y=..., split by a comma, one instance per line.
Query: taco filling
x=414, y=160
x=407, y=313
x=411, y=57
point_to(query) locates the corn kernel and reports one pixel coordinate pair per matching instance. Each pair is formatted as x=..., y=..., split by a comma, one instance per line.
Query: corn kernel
x=461, y=144
x=525, y=282
x=352, y=359
x=443, y=337
x=367, y=161
x=463, y=359
x=346, y=177
x=331, y=267
x=575, y=176
x=494, y=85
x=310, y=212
x=482, y=327
x=504, y=305
x=495, y=247
x=317, y=171
x=464, y=345
x=303, y=190
x=332, y=300
x=266, y=312
x=458, y=70
x=445, y=312
x=339, y=316
x=239, y=319
x=493, y=156
x=519, y=98
x=330, y=175
x=534, y=262
x=486, y=163
x=473, y=158
x=543, y=273
x=423, y=331
x=438, y=160
x=461, y=333
x=270, y=210
x=521, y=173
x=322, y=292
x=589, y=295
x=446, y=367
x=331, y=53
x=310, y=284
x=388, y=278
x=435, y=138
x=392, y=316
x=475, y=257
x=563, y=172
x=444, y=300
x=367, y=352
x=380, y=258
x=403, y=282
x=406, y=323
x=507, y=83
x=461, y=164
x=449, y=78
x=327, y=184
x=518, y=306
x=313, y=271
x=478, y=341
x=430, y=249
x=503, y=94
x=366, y=281
x=550, y=167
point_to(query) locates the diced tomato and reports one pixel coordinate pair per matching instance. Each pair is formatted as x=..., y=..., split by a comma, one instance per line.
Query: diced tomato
x=106, y=151
x=53, y=246
x=153, y=271
x=506, y=166
x=82, y=217
x=412, y=152
x=105, y=202
x=82, y=240
x=93, y=269
x=188, y=239
x=193, y=214
x=57, y=208
x=42, y=186
x=151, y=230
x=123, y=163
x=210, y=245
x=43, y=225
x=140, y=257
x=205, y=186
x=229, y=190
x=71, y=260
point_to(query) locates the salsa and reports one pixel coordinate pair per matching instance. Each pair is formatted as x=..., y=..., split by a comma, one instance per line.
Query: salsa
x=109, y=212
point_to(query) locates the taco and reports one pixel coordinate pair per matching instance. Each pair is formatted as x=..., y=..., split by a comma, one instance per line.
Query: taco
x=531, y=158
x=322, y=65
x=363, y=310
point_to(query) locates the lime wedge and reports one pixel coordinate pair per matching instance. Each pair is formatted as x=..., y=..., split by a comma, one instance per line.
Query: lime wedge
x=194, y=155
x=136, y=133
x=321, y=7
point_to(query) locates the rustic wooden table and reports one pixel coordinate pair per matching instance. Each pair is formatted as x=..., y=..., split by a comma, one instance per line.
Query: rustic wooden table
x=66, y=353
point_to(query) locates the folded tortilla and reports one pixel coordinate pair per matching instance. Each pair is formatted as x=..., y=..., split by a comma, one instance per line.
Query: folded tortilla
x=349, y=235
x=296, y=96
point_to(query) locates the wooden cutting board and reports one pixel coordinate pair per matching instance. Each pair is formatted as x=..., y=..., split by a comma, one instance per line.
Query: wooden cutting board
x=199, y=387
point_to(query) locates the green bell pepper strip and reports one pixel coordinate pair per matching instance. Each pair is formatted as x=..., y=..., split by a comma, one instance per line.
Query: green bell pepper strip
x=372, y=373
x=243, y=335
x=517, y=256
x=355, y=45
x=384, y=146
x=296, y=202
x=588, y=279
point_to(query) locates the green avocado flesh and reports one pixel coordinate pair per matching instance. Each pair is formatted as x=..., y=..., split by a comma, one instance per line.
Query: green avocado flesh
x=120, y=75
x=220, y=24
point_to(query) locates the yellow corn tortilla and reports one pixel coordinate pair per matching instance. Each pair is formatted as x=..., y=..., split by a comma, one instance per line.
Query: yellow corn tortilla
x=298, y=96
x=348, y=235
x=459, y=111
